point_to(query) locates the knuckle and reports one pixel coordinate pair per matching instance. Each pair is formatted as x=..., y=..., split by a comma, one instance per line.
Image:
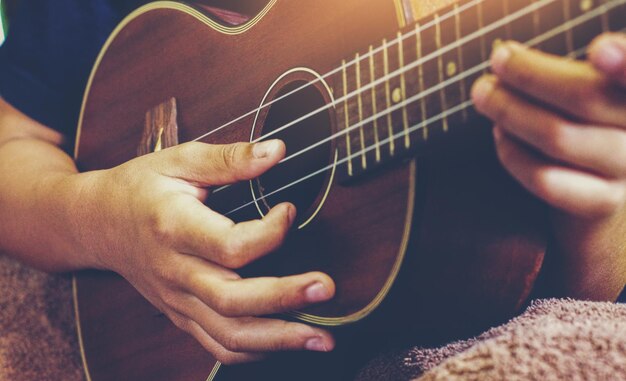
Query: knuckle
x=162, y=229
x=182, y=323
x=197, y=280
x=279, y=346
x=504, y=154
x=585, y=101
x=233, y=253
x=235, y=341
x=285, y=342
x=190, y=149
x=524, y=76
x=225, y=357
x=538, y=183
x=165, y=272
x=169, y=299
x=162, y=225
x=230, y=154
x=275, y=230
x=284, y=302
x=223, y=304
x=185, y=152
x=501, y=115
x=556, y=139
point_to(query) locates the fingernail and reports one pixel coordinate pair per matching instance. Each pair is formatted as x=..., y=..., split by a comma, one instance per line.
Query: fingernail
x=610, y=57
x=481, y=90
x=316, y=344
x=316, y=292
x=264, y=149
x=500, y=57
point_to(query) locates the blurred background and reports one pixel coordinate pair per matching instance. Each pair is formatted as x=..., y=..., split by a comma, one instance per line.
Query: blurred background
x=1, y=23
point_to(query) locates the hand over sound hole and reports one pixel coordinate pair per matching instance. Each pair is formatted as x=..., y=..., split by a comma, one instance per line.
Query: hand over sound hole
x=301, y=120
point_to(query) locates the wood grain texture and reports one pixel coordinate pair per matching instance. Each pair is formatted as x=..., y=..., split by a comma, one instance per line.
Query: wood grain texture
x=476, y=240
x=161, y=128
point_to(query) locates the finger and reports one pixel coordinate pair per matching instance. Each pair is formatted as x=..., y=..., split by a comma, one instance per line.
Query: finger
x=207, y=164
x=553, y=135
x=208, y=234
x=259, y=334
x=608, y=54
x=574, y=88
x=218, y=351
x=568, y=189
x=235, y=297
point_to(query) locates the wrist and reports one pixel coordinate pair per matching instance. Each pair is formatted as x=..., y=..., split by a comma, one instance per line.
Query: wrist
x=589, y=256
x=73, y=200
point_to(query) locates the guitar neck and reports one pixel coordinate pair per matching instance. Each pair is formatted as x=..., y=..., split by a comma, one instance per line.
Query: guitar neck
x=398, y=95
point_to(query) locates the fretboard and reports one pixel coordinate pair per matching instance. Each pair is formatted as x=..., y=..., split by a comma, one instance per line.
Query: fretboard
x=394, y=97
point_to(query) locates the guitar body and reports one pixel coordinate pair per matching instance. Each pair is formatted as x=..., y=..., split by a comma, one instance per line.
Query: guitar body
x=459, y=241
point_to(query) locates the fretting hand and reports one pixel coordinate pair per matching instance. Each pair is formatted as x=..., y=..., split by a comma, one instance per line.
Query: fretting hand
x=560, y=130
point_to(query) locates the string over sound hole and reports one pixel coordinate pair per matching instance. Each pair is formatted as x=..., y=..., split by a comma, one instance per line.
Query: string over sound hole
x=292, y=117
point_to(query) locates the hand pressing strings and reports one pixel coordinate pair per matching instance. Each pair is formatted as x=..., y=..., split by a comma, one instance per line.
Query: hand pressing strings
x=560, y=125
x=560, y=130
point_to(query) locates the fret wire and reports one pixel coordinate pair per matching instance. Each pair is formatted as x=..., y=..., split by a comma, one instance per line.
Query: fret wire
x=464, y=7
x=507, y=27
x=347, y=114
x=466, y=104
x=374, y=108
x=405, y=115
x=483, y=47
x=480, y=33
x=569, y=37
x=605, y=18
x=463, y=90
x=442, y=93
x=414, y=8
x=420, y=73
x=469, y=72
x=341, y=161
x=392, y=146
x=513, y=16
x=360, y=106
x=536, y=19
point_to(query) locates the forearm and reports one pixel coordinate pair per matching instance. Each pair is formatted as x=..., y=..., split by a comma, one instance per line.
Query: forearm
x=590, y=256
x=37, y=196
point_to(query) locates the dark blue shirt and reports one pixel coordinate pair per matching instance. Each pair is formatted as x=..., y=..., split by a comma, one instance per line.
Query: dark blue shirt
x=47, y=57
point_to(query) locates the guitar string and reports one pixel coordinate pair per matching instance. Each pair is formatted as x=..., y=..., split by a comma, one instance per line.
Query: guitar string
x=443, y=85
x=397, y=73
x=397, y=40
x=413, y=65
x=578, y=53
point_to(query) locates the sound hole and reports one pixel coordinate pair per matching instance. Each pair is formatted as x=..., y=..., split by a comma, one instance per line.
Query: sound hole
x=304, y=194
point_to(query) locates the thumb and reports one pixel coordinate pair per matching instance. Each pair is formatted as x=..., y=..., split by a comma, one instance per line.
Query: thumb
x=608, y=54
x=212, y=164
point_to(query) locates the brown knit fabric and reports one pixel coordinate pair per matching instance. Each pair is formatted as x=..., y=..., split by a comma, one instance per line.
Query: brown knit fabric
x=553, y=340
x=37, y=335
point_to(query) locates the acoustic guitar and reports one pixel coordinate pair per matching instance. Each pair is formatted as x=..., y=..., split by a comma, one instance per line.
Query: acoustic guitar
x=400, y=197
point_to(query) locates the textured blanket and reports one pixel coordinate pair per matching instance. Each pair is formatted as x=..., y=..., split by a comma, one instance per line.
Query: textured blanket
x=37, y=335
x=552, y=340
